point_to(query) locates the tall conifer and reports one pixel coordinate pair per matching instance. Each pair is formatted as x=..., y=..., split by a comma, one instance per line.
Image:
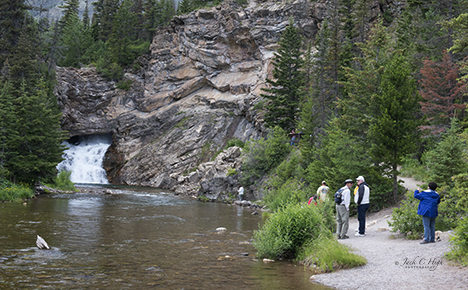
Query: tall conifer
x=286, y=88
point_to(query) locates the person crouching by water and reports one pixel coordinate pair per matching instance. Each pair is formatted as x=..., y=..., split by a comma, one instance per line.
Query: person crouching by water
x=342, y=210
x=429, y=201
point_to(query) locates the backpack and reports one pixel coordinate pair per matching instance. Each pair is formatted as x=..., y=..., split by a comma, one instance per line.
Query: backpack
x=339, y=196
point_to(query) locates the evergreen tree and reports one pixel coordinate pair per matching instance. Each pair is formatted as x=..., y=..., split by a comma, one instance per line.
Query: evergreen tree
x=442, y=93
x=445, y=160
x=185, y=6
x=70, y=10
x=86, y=19
x=7, y=132
x=76, y=40
x=12, y=17
x=123, y=44
x=36, y=150
x=362, y=85
x=287, y=87
x=393, y=131
x=103, y=18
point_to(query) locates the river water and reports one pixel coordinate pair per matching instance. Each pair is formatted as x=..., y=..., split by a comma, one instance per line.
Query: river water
x=137, y=238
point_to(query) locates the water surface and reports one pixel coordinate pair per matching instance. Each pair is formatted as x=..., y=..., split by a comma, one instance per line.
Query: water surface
x=137, y=238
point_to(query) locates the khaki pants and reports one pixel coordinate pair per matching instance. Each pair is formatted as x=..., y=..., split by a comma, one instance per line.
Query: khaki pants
x=342, y=221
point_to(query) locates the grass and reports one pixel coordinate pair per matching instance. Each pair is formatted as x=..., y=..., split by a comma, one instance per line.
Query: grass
x=14, y=192
x=327, y=255
x=62, y=182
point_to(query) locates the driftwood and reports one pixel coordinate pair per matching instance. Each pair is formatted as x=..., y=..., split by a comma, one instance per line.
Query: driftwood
x=42, y=189
x=42, y=244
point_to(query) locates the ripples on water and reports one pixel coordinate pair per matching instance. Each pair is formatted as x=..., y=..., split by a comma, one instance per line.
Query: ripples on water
x=135, y=239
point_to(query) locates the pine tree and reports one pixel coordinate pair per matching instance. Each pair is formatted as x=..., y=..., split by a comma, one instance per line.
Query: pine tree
x=12, y=16
x=36, y=150
x=70, y=10
x=286, y=89
x=442, y=93
x=393, y=130
x=86, y=15
x=103, y=18
x=362, y=85
x=7, y=132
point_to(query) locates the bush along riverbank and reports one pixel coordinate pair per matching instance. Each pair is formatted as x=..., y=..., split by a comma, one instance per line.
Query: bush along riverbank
x=303, y=233
x=11, y=192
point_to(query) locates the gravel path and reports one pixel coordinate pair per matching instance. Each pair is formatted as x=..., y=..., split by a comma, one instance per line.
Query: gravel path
x=394, y=262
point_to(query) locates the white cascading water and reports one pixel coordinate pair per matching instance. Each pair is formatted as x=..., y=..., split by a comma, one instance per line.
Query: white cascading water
x=84, y=159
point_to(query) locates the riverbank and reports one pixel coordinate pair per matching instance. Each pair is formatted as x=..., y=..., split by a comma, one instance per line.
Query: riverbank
x=394, y=262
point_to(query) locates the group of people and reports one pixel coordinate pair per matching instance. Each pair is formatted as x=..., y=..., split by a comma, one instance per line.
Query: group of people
x=361, y=198
x=428, y=207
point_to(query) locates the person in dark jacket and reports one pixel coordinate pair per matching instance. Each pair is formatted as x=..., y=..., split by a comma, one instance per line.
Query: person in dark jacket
x=429, y=201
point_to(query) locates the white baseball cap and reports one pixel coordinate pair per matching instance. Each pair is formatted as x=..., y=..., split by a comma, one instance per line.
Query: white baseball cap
x=360, y=178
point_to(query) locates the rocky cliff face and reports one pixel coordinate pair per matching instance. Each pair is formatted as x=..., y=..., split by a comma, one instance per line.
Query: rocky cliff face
x=196, y=91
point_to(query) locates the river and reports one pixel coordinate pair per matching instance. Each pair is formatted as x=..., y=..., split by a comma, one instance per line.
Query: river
x=137, y=238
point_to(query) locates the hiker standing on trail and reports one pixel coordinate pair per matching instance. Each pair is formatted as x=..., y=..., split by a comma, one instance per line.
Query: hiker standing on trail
x=322, y=191
x=429, y=201
x=362, y=201
x=342, y=210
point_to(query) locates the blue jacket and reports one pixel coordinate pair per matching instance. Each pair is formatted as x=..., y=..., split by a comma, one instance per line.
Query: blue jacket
x=429, y=199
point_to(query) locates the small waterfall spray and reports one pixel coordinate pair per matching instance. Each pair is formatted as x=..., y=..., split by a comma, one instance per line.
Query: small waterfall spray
x=84, y=159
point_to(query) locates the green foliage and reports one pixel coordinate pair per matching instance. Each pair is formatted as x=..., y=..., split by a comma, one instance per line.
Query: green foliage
x=234, y=142
x=340, y=156
x=327, y=255
x=261, y=156
x=393, y=130
x=405, y=218
x=289, y=193
x=62, y=181
x=231, y=171
x=110, y=70
x=287, y=230
x=413, y=168
x=124, y=84
x=14, y=192
x=459, y=242
x=445, y=160
x=287, y=87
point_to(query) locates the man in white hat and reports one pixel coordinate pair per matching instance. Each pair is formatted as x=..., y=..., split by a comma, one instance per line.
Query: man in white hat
x=362, y=201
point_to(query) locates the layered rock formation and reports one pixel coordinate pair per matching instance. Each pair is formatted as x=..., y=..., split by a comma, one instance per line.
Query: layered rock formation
x=195, y=91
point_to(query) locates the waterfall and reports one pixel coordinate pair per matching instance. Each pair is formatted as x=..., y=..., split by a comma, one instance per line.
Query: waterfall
x=84, y=158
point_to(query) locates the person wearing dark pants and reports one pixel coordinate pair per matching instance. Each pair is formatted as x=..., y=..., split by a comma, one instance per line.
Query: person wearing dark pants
x=429, y=201
x=362, y=201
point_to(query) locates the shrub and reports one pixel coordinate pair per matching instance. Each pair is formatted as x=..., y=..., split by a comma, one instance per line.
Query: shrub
x=405, y=218
x=231, y=171
x=327, y=254
x=459, y=243
x=234, y=142
x=12, y=192
x=289, y=193
x=287, y=230
x=62, y=181
x=261, y=156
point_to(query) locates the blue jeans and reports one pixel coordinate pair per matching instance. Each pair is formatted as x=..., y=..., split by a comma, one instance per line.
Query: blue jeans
x=361, y=215
x=429, y=228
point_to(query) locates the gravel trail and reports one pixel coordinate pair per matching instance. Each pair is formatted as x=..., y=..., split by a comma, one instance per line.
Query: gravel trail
x=394, y=262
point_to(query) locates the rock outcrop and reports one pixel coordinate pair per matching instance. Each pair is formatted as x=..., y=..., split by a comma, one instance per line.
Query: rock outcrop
x=194, y=92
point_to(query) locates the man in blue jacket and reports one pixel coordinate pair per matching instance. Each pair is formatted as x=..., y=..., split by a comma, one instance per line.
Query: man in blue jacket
x=429, y=201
